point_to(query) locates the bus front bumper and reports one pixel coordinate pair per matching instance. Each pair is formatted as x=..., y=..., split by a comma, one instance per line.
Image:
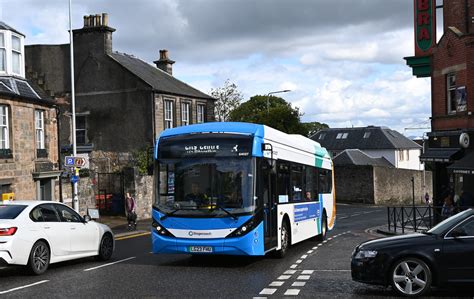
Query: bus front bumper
x=249, y=244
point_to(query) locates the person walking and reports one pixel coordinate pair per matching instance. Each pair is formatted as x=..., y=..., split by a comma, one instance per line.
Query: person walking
x=131, y=204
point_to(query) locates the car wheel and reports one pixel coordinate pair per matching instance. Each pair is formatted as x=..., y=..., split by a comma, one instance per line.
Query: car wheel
x=411, y=277
x=324, y=228
x=39, y=258
x=285, y=240
x=106, y=248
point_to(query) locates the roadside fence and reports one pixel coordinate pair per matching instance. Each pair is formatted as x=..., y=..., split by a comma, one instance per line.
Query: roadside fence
x=415, y=218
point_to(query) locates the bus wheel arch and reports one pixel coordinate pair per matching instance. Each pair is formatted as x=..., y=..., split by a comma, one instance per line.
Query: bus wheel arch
x=285, y=236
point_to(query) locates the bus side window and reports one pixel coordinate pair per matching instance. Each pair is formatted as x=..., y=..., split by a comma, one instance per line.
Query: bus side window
x=283, y=179
x=296, y=183
x=311, y=184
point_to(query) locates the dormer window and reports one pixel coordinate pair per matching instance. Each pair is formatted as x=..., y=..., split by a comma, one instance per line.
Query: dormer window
x=16, y=55
x=3, y=56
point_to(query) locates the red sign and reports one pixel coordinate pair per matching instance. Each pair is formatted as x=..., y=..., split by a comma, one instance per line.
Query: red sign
x=425, y=26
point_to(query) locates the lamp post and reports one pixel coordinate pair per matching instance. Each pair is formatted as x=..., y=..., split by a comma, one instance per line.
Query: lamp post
x=75, y=200
x=268, y=98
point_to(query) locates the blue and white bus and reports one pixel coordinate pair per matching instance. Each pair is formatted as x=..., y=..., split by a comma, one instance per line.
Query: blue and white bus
x=239, y=189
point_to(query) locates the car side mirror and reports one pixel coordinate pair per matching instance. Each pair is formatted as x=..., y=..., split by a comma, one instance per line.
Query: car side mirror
x=87, y=218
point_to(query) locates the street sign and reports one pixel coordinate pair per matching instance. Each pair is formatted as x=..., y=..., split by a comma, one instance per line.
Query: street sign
x=74, y=179
x=74, y=161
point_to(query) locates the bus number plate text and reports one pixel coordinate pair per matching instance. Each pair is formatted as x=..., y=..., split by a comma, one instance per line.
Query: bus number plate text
x=203, y=249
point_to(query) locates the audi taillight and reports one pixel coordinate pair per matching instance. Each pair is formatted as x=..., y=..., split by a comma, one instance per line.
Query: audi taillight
x=10, y=231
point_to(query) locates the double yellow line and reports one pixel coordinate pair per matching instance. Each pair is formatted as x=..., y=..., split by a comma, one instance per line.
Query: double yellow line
x=132, y=236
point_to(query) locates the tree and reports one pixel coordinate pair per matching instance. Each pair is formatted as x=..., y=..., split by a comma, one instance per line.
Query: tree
x=314, y=127
x=280, y=114
x=228, y=98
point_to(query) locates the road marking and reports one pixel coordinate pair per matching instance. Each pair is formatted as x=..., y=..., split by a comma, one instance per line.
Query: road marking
x=334, y=270
x=293, y=266
x=299, y=284
x=268, y=291
x=292, y=292
x=307, y=272
x=23, y=287
x=304, y=256
x=259, y=297
x=310, y=251
x=290, y=272
x=299, y=261
x=277, y=284
x=303, y=277
x=132, y=236
x=284, y=277
x=109, y=264
x=320, y=244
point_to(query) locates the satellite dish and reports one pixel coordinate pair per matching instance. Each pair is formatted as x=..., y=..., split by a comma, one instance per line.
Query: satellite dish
x=464, y=140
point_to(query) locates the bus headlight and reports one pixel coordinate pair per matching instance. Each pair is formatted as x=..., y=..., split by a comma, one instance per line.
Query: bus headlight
x=161, y=230
x=246, y=227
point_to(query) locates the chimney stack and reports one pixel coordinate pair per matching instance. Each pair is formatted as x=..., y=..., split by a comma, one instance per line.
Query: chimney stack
x=164, y=63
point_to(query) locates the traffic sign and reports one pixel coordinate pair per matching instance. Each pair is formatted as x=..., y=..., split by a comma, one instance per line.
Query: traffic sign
x=75, y=161
x=74, y=179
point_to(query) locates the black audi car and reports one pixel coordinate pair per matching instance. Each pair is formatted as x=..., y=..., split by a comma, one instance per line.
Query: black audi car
x=411, y=264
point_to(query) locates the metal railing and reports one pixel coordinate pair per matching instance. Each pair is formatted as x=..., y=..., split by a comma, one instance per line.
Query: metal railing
x=415, y=218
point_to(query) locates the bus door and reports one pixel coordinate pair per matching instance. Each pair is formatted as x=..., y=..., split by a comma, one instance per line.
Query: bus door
x=270, y=209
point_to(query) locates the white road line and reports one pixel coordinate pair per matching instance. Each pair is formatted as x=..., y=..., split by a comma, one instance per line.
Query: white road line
x=284, y=277
x=259, y=297
x=324, y=242
x=23, y=287
x=307, y=272
x=109, y=264
x=315, y=247
x=309, y=251
x=303, y=277
x=290, y=272
x=304, y=256
x=332, y=270
x=293, y=266
x=292, y=292
x=299, y=284
x=267, y=291
x=342, y=218
x=320, y=244
x=276, y=284
x=299, y=261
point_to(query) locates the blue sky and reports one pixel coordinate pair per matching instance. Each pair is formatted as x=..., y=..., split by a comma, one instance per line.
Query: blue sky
x=342, y=60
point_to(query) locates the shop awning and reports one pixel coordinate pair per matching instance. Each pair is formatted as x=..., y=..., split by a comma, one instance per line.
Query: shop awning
x=438, y=155
x=465, y=165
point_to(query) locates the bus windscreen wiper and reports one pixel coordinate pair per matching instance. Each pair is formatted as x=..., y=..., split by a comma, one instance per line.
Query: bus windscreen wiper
x=166, y=215
x=223, y=209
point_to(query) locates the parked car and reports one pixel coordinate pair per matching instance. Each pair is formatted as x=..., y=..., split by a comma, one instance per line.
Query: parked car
x=413, y=263
x=39, y=233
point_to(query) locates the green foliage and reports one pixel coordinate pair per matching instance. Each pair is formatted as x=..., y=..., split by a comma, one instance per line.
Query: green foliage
x=228, y=98
x=313, y=127
x=279, y=115
x=144, y=159
x=84, y=172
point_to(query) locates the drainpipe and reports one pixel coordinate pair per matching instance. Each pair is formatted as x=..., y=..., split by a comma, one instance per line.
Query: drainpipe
x=58, y=124
x=466, y=15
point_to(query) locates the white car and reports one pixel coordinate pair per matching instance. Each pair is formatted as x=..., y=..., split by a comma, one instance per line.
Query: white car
x=39, y=233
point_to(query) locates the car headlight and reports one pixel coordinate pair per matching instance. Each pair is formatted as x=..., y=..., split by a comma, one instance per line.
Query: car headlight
x=365, y=254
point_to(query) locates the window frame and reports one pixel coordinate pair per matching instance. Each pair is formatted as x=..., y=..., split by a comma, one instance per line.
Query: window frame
x=185, y=113
x=451, y=87
x=201, y=114
x=81, y=129
x=20, y=55
x=168, y=119
x=5, y=127
x=40, y=130
x=3, y=49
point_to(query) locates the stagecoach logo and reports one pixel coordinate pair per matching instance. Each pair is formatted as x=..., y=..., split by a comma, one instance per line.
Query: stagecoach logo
x=201, y=149
x=235, y=148
x=193, y=233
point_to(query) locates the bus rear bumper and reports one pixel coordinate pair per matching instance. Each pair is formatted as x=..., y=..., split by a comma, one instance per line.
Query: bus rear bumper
x=250, y=244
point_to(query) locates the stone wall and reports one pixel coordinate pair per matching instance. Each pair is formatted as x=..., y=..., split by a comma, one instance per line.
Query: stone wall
x=144, y=196
x=354, y=184
x=86, y=194
x=393, y=186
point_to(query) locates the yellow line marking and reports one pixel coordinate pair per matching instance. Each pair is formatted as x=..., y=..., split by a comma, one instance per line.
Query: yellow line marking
x=132, y=236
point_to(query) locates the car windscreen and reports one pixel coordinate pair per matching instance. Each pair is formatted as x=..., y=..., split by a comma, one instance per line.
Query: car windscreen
x=10, y=211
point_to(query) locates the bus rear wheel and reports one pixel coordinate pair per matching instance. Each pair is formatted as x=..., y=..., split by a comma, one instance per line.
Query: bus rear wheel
x=285, y=240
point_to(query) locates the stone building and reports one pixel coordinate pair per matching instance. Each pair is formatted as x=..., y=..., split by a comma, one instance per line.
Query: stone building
x=449, y=151
x=122, y=102
x=28, y=127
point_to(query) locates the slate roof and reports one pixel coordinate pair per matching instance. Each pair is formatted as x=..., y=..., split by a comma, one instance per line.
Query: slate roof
x=159, y=80
x=4, y=26
x=357, y=157
x=376, y=138
x=22, y=88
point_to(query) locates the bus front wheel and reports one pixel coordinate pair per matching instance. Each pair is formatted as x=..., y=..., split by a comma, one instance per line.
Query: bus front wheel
x=324, y=228
x=285, y=239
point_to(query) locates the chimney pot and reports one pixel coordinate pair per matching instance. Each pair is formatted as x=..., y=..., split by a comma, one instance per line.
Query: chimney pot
x=105, y=19
x=86, y=24
x=97, y=20
x=92, y=20
x=164, y=63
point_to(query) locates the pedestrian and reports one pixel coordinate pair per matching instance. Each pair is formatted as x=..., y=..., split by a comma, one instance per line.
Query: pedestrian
x=131, y=205
x=448, y=207
x=427, y=198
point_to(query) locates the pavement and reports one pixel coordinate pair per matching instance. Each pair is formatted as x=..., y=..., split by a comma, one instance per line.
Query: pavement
x=119, y=226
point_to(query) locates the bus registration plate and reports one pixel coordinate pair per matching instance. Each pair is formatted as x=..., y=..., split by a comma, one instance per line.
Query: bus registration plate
x=204, y=249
